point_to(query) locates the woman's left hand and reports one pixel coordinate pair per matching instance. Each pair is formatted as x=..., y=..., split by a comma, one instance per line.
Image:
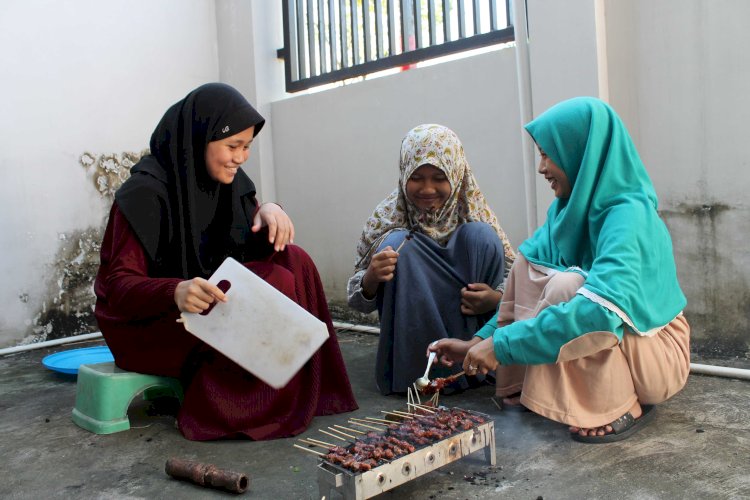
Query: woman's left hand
x=479, y=298
x=280, y=227
x=481, y=358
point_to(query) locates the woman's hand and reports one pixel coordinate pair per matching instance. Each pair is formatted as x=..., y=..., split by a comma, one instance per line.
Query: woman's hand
x=479, y=298
x=280, y=227
x=381, y=269
x=451, y=351
x=481, y=358
x=197, y=295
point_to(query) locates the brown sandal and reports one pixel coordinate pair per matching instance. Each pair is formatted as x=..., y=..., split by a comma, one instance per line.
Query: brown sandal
x=622, y=428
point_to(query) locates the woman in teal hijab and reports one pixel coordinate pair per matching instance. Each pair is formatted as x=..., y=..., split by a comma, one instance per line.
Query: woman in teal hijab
x=590, y=331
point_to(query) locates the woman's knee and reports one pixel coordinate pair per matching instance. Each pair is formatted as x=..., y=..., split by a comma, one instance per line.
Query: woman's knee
x=562, y=287
x=275, y=275
x=478, y=233
x=480, y=238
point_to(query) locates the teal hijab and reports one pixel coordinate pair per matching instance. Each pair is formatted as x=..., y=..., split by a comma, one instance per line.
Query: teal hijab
x=609, y=227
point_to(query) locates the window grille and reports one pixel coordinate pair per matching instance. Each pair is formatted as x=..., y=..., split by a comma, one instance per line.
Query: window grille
x=327, y=41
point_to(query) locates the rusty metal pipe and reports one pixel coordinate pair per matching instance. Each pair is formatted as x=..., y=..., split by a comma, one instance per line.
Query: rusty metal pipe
x=207, y=475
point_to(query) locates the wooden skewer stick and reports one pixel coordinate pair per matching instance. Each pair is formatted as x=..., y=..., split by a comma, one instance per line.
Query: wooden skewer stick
x=424, y=407
x=367, y=426
x=321, y=442
x=420, y=407
x=373, y=419
x=400, y=415
x=332, y=435
x=348, y=429
x=498, y=406
x=342, y=433
x=309, y=450
x=403, y=413
x=408, y=237
x=416, y=393
x=304, y=441
x=376, y=421
x=435, y=399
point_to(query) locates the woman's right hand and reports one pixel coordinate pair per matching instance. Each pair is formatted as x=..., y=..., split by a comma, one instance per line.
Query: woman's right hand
x=197, y=295
x=381, y=269
x=451, y=351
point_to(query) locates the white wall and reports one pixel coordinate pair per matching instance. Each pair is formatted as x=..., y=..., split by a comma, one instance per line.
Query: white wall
x=80, y=76
x=249, y=33
x=336, y=152
x=564, y=63
x=679, y=76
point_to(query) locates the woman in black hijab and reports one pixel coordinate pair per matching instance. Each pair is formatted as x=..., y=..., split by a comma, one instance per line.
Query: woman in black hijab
x=185, y=208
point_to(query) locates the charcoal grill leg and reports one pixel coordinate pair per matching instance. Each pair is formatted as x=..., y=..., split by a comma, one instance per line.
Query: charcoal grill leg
x=332, y=486
x=331, y=492
x=489, y=450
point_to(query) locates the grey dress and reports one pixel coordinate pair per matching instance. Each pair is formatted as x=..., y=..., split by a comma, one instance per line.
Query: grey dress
x=423, y=301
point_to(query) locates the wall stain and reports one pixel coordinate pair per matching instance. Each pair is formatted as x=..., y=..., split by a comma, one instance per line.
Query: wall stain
x=713, y=277
x=68, y=308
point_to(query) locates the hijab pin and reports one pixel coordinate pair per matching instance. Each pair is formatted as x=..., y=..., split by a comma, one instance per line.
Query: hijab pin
x=225, y=129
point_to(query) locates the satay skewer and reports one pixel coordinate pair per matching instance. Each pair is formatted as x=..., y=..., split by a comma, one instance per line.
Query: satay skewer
x=372, y=427
x=309, y=450
x=342, y=433
x=402, y=415
x=416, y=394
x=333, y=435
x=435, y=399
x=348, y=429
x=426, y=407
x=376, y=421
x=420, y=407
x=373, y=419
x=318, y=441
x=435, y=385
x=310, y=443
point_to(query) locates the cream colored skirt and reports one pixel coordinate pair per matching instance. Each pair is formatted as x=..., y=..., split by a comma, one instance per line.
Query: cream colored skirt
x=595, y=379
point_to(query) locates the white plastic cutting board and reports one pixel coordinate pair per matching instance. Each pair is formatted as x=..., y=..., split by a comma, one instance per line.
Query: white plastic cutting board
x=259, y=328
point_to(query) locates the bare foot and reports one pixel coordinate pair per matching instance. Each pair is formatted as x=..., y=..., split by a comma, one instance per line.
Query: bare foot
x=511, y=399
x=635, y=410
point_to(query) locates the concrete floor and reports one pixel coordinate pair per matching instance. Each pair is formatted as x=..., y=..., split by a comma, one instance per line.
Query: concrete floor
x=698, y=446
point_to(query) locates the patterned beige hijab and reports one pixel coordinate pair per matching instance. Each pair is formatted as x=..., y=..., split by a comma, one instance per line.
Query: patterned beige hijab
x=438, y=146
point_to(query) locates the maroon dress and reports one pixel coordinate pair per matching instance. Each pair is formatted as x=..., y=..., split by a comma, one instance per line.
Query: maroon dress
x=137, y=316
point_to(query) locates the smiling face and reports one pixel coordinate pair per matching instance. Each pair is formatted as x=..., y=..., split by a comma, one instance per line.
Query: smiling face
x=555, y=176
x=428, y=188
x=224, y=157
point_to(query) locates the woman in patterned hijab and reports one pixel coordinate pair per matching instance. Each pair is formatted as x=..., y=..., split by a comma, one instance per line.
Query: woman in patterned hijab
x=447, y=278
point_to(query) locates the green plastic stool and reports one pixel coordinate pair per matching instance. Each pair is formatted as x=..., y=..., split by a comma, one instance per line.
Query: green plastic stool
x=104, y=393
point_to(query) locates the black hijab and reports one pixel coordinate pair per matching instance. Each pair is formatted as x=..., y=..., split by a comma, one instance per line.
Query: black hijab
x=187, y=222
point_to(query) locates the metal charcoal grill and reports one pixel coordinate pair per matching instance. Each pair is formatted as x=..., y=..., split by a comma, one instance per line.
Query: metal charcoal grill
x=362, y=485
